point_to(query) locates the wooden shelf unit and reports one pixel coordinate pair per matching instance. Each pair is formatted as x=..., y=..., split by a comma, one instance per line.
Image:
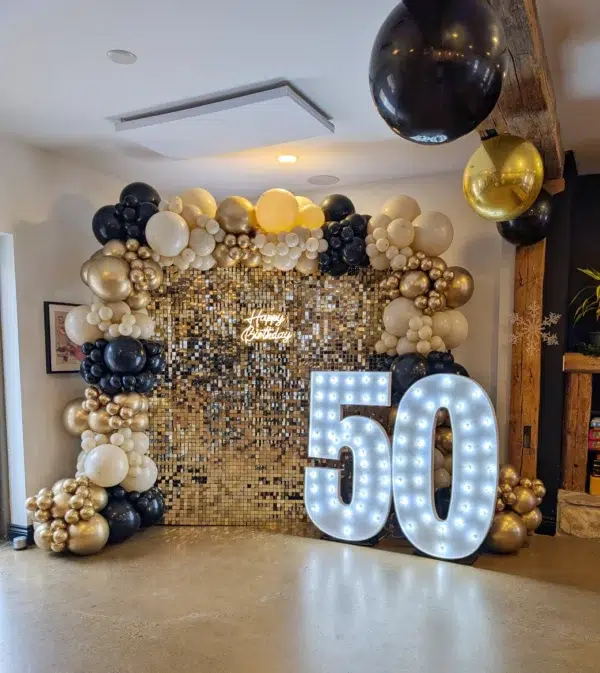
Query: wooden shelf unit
x=578, y=410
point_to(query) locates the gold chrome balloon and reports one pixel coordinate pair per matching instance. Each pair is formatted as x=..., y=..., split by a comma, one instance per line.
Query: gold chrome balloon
x=75, y=417
x=532, y=519
x=460, y=289
x=98, y=421
x=443, y=439
x=42, y=536
x=108, y=278
x=138, y=299
x=503, y=178
x=139, y=422
x=507, y=534
x=221, y=255
x=114, y=248
x=98, y=496
x=60, y=505
x=508, y=475
x=233, y=214
x=413, y=284
x=254, y=259
x=88, y=537
x=83, y=274
x=525, y=500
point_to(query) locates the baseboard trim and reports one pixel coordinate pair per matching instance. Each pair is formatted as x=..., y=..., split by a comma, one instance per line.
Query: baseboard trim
x=15, y=530
x=548, y=526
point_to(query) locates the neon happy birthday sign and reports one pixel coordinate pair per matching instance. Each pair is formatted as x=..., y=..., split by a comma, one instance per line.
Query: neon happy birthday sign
x=403, y=471
x=267, y=327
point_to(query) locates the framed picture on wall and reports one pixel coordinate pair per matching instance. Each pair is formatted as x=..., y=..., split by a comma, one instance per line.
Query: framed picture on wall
x=62, y=355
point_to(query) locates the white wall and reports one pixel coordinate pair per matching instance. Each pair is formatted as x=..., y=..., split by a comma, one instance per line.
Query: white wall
x=49, y=207
x=478, y=247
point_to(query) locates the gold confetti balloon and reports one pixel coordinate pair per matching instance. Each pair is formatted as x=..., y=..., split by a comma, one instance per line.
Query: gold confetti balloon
x=503, y=178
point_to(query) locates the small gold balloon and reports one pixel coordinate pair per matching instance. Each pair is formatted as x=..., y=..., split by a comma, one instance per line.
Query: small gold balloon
x=60, y=504
x=221, y=255
x=42, y=536
x=132, y=244
x=142, y=286
x=45, y=502
x=508, y=475
x=134, y=261
x=507, y=534
x=539, y=490
x=60, y=536
x=133, y=400
x=413, y=284
x=448, y=275
x=75, y=417
x=538, y=501
x=92, y=405
x=42, y=515
x=443, y=439
x=136, y=275
x=499, y=505
x=235, y=253
x=126, y=423
x=57, y=524
x=91, y=392
x=230, y=240
x=98, y=497
x=413, y=262
x=503, y=178
x=88, y=537
x=144, y=252
x=460, y=288
x=532, y=520
x=253, y=260
x=439, y=264
x=86, y=513
x=69, y=486
x=434, y=303
x=442, y=417
x=108, y=278
x=139, y=422
x=525, y=500
x=126, y=412
x=115, y=422
x=114, y=248
x=98, y=421
x=76, y=502
x=505, y=488
x=509, y=498
x=243, y=240
x=154, y=274
x=441, y=285
x=426, y=264
x=71, y=516
x=234, y=215
x=113, y=408
x=525, y=482
x=82, y=481
x=435, y=274
x=104, y=399
x=420, y=301
x=83, y=491
x=58, y=547
x=31, y=504
x=138, y=299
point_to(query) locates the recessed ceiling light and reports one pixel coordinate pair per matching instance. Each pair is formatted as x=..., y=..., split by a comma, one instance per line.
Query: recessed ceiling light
x=121, y=56
x=323, y=180
x=287, y=158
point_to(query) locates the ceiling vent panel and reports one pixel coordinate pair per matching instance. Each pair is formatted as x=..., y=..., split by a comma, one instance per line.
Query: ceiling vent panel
x=228, y=123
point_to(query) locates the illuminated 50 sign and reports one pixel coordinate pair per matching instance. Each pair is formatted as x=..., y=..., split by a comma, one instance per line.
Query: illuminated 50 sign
x=404, y=470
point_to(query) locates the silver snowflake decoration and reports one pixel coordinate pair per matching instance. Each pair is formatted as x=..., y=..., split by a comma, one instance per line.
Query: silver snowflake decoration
x=531, y=329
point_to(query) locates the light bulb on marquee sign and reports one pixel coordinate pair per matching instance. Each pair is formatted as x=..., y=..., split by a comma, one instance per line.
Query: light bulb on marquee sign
x=404, y=470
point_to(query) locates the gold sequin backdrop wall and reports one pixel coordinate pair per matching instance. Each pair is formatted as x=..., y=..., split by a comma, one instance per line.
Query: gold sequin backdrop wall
x=229, y=420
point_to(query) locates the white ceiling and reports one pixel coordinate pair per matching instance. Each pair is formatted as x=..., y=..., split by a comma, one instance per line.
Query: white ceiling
x=59, y=88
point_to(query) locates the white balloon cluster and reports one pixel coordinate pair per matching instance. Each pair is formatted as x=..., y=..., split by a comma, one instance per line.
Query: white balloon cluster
x=298, y=248
x=117, y=319
x=117, y=459
x=408, y=330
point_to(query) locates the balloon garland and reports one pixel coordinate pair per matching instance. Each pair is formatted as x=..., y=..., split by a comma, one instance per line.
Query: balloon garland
x=141, y=236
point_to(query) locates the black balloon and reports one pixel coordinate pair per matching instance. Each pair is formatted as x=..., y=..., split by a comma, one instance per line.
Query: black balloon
x=125, y=355
x=149, y=504
x=142, y=192
x=107, y=225
x=437, y=68
x=406, y=369
x=337, y=207
x=459, y=370
x=532, y=226
x=144, y=382
x=122, y=517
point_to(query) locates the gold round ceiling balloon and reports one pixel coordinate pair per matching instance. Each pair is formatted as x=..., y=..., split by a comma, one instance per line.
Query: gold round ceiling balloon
x=503, y=178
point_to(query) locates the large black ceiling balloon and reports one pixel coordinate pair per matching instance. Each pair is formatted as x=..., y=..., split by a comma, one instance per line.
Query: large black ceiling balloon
x=530, y=227
x=437, y=68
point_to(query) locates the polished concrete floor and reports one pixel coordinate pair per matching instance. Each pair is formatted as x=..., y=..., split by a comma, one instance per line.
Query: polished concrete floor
x=239, y=601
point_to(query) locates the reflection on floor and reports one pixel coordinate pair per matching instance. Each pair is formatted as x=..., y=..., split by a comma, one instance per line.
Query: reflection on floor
x=241, y=601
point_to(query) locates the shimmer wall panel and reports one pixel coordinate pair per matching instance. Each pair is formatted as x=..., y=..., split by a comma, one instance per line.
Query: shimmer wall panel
x=229, y=421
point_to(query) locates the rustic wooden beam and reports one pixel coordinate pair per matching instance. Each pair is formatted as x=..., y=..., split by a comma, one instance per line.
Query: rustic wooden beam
x=583, y=364
x=578, y=408
x=526, y=363
x=527, y=106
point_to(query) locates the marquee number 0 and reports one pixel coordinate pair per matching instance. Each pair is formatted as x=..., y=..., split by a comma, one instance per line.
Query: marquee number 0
x=407, y=473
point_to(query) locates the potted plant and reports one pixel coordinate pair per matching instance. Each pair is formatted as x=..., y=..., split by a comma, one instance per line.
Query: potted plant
x=589, y=300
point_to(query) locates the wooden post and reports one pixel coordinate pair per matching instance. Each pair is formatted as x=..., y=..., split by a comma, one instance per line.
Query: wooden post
x=578, y=408
x=526, y=364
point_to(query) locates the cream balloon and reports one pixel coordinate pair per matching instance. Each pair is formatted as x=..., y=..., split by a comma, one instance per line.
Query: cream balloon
x=401, y=233
x=201, y=242
x=77, y=327
x=201, y=198
x=167, y=233
x=405, y=346
x=310, y=216
x=276, y=211
x=145, y=323
x=144, y=480
x=106, y=465
x=433, y=233
x=401, y=207
x=397, y=314
x=459, y=331
x=141, y=442
x=307, y=266
x=119, y=309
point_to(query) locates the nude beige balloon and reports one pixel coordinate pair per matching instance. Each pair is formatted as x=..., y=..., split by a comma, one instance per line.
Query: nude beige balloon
x=88, y=537
x=108, y=278
x=201, y=198
x=74, y=417
x=77, y=327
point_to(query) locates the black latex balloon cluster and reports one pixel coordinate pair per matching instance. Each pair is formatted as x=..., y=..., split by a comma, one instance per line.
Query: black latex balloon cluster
x=345, y=232
x=128, y=218
x=409, y=368
x=123, y=364
x=127, y=512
